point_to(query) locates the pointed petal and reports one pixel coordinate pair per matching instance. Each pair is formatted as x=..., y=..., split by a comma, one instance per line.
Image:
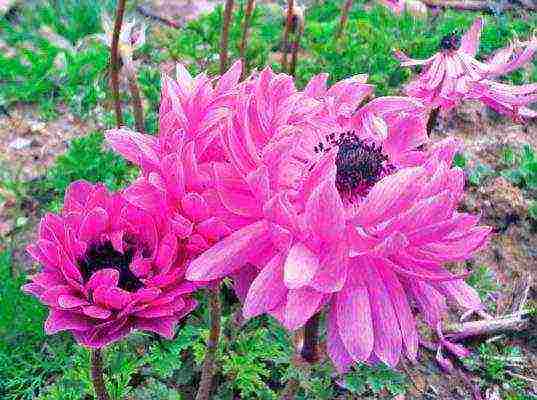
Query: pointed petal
x=229, y=254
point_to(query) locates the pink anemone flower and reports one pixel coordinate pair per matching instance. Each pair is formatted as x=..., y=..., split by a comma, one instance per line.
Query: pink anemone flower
x=176, y=166
x=358, y=223
x=453, y=75
x=108, y=268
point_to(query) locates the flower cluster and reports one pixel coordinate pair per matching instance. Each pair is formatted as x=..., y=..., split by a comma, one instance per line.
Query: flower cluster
x=311, y=200
x=454, y=74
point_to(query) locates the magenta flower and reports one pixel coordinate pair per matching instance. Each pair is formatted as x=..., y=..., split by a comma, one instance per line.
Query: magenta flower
x=108, y=268
x=358, y=222
x=177, y=178
x=453, y=75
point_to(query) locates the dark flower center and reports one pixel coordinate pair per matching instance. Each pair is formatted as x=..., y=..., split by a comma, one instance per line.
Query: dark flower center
x=359, y=165
x=450, y=42
x=103, y=255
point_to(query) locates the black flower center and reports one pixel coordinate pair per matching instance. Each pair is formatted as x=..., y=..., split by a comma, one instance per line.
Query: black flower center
x=359, y=165
x=450, y=42
x=103, y=255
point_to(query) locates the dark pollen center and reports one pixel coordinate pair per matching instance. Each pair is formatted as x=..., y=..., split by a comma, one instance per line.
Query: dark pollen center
x=450, y=42
x=103, y=255
x=359, y=165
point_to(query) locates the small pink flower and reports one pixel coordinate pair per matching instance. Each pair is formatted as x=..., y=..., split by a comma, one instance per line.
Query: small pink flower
x=397, y=6
x=108, y=268
x=347, y=215
x=453, y=75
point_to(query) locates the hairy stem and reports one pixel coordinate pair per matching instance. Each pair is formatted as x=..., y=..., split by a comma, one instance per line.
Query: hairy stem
x=433, y=117
x=137, y=104
x=207, y=372
x=290, y=389
x=114, y=61
x=224, y=38
x=286, y=32
x=244, y=42
x=296, y=48
x=310, y=347
x=97, y=375
x=344, y=17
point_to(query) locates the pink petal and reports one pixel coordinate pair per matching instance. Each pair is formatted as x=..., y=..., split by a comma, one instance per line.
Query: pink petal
x=354, y=321
x=140, y=149
x=163, y=326
x=195, y=207
x=141, y=267
x=389, y=196
x=388, y=340
x=229, y=254
x=214, y=229
x=325, y=212
x=301, y=305
x=76, y=196
x=166, y=253
x=181, y=226
x=108, y=277
x=229, y=80
x=111, y=297
x=407, y=324
x=95, y=222
x=59, y=320
x=267, y=290
x=67, y=301
x=470, y=40
x=333, y=267
x=96, y=312
x=334, y=346
x=300, y=266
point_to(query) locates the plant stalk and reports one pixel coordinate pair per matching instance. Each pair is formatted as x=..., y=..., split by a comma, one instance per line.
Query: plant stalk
x=296, y=48
x=114, y=61
x=137, y=105
x=433, y=117
x=286, y=32
x=310, y=347
x=207, y=372
x=244, y=42
x=97, y=375
x=224, y=38
x=344, y=18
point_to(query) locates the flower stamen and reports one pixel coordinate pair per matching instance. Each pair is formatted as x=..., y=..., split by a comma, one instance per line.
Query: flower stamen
x=103, y=255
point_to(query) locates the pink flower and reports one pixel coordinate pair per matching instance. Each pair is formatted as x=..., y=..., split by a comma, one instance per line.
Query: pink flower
x=356, y=222
x=453, y=75
x=177, y=165
x=397, y=6
x=108, y=268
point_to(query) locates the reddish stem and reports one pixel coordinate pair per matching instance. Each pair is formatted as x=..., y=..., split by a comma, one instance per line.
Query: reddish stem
x=137, y=105
x=286, y=32
x=310, y=347
x=433, y=118
x=296, y=48
x=207, y=371
x=224, y=38
x=344, y=18
x=242, y=50
x=114, y=61
x=97, y=375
